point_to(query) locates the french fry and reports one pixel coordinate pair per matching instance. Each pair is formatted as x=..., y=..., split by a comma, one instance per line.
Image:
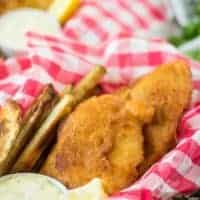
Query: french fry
x=38, y=144
x=44, y=136
x=50, y=143
x=94, y=92
x=10, y=123
x=47, y=95
x=87, y=84
x=46, y=111
x=32, y=119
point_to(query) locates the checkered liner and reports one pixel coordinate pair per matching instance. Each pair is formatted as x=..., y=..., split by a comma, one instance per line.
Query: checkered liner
x=116, y=34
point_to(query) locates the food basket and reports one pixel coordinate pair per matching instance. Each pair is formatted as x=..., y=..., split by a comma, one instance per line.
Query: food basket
x=125, y=38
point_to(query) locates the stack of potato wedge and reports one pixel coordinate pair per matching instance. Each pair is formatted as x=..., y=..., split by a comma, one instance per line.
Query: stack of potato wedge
x=25, y=141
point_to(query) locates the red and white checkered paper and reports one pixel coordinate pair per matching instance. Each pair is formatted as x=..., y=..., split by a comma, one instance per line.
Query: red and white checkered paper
x=114, y=33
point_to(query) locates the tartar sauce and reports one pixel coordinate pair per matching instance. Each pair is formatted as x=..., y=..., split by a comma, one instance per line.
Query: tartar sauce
x=29, y=186
x=15, y=24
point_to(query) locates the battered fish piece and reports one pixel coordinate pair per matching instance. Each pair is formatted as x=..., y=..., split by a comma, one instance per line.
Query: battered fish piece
x=168, y=91
x=118, y=137
x=99, y=139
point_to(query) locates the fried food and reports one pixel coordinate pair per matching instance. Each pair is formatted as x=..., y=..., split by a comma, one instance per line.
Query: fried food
x=117, y=137
x=33, y=118
x=44, y=4
x=66, y=90
x=46, y=133
x=43, y=136
x=10, y=123
x=98, y=140
x=6, y=5
x=88, y=84
x=168, y=91
x=43, y=104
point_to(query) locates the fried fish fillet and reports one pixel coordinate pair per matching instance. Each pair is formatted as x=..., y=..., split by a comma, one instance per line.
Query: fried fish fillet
x=168, y=91
x=117, y=137
x=100, y=139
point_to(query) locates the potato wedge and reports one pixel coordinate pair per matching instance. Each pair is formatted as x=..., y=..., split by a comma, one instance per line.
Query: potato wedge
x=50, y=143
x=10, y=123
x=33, y=118
x=39, y=143
x=45, y=101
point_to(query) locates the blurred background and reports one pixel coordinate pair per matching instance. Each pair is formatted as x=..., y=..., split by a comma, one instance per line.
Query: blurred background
x=6, y=5
x=182, y=29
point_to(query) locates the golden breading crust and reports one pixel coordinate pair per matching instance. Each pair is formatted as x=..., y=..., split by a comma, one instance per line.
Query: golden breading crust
x=106, y=136
x=98, y=140
x=168, y=91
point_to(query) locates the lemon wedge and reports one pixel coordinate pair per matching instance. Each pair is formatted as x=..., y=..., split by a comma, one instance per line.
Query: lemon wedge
x=63, y=9
x=92, y=191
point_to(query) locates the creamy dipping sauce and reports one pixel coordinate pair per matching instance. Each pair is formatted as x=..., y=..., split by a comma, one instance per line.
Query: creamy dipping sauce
x=15, y=24
x=31, y=187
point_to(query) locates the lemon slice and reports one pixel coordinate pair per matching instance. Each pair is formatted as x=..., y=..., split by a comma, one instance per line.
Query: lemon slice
x=92, y=191
x=63, y=9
